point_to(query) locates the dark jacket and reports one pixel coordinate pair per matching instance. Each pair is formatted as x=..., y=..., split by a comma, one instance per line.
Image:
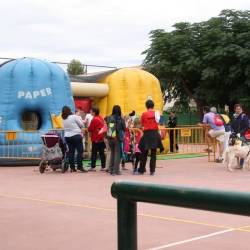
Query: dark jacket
x=240, y=124
x=172, y=122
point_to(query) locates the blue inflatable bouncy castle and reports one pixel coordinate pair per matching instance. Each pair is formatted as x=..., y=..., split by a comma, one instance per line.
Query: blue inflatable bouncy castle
x=32, y=91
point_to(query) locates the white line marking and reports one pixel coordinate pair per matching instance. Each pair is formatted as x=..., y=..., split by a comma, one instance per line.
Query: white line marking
x=192, y=239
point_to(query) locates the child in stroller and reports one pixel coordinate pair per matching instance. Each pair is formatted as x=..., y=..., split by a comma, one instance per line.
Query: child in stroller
x=53, y=153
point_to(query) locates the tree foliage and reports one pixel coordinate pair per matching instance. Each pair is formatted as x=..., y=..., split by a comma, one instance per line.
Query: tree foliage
x=75, y=67
x=207, y=61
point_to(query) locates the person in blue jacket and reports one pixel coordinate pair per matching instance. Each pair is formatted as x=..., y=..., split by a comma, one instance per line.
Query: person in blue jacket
x=240, y=125
x=240, y=122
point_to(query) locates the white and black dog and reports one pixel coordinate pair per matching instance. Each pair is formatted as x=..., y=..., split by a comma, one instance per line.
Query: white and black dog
x=235, y=152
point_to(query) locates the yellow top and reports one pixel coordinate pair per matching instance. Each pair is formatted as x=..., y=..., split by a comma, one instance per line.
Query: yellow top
x=226, y=118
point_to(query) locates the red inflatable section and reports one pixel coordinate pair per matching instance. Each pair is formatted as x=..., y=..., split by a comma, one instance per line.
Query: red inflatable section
x=83, y=104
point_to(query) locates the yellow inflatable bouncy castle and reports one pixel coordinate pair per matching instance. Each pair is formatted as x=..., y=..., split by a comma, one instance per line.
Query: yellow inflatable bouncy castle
x=130, y=88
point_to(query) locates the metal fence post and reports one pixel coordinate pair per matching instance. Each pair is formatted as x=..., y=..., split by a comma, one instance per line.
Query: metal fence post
x=127, y=224
x=128, y=193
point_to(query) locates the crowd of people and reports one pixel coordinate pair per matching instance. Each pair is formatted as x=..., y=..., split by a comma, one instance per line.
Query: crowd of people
x=120, y=139
x=114, y=134
x=219, y=127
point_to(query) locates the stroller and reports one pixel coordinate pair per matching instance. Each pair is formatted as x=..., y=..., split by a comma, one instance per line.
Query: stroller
x=53, y=153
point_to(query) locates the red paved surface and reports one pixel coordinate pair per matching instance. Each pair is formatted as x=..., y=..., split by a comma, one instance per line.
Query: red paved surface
x=76, y=211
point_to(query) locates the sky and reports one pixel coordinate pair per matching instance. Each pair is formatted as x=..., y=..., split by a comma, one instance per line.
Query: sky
x=111, y=32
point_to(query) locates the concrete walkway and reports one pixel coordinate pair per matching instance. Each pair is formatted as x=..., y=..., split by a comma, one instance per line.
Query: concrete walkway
x=75, y=211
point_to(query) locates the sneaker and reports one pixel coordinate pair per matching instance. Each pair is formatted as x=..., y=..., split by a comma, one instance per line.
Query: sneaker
x=140, y=173
x=152, y=173
x=92, y=170
x=81, y=169
x=136, y=173
x=219, y=160
x=103, y=169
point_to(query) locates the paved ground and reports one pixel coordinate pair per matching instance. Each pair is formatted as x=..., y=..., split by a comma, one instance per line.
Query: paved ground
x=76, y=211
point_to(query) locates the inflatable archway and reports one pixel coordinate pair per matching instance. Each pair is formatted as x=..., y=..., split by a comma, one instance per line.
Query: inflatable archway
x=31, y=88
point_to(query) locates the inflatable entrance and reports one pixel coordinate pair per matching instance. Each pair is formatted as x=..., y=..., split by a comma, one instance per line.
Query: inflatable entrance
x=32, y=91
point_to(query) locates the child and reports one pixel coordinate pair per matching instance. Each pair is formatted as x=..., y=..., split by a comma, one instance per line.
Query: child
x=126, y=146
x=137, y=153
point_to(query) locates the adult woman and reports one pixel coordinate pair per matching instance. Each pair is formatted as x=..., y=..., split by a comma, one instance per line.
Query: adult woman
x=115, y=139
x=151, y=139
x=73, y=136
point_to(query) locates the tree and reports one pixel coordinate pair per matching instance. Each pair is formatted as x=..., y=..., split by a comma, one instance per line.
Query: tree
x=75, y=67
x=207, y=61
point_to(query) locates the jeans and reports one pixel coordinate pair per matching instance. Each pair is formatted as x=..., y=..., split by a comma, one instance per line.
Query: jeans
x=75, y=143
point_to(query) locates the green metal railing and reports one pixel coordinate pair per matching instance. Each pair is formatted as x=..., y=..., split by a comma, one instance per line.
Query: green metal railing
x=129, y=193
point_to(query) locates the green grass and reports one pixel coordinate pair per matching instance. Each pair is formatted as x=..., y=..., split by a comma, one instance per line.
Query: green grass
x=179, y=156
x=86, y=163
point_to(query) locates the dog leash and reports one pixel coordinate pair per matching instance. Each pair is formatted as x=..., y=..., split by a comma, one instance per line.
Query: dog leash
x=248, y=152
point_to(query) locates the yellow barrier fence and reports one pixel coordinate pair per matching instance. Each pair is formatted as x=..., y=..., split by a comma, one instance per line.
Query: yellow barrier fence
x=185, y=140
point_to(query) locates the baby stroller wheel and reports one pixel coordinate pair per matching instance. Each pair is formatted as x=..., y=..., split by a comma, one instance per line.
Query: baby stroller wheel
x=65, y=167
x=42, y=166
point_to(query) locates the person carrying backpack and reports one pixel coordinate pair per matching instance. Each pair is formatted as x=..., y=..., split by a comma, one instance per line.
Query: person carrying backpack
x=115, y=136
x=216, y=129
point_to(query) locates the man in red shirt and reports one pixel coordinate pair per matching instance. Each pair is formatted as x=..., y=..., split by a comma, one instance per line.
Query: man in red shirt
x=97, y=139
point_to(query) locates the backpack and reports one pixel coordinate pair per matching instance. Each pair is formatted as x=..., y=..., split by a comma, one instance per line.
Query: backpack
x=227, y=125
x=247, y=133
x=111, y=128
x=217, y=120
